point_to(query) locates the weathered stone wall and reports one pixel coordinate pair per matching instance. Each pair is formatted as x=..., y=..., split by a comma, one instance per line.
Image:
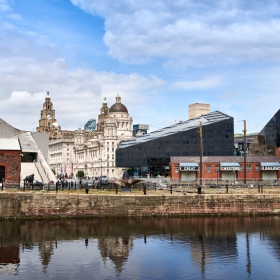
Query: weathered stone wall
x=24, y=205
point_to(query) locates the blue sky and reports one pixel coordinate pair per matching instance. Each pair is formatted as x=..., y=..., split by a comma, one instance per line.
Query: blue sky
x=160, y=56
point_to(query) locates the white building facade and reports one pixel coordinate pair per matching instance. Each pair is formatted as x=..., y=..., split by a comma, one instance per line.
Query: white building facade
x=94, y=152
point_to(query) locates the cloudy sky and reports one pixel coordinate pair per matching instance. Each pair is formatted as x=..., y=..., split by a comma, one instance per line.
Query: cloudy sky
x=159, y=55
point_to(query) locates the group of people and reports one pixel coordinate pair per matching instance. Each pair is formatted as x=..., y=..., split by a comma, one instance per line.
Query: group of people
x=63, y=183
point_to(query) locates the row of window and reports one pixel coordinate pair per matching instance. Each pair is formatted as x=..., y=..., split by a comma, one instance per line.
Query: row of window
x=209, y=168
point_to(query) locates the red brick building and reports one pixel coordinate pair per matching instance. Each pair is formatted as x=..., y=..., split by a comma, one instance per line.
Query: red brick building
x=10, y=162
x=229, y=168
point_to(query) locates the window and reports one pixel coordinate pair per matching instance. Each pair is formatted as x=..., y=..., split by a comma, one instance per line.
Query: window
x=113, y=170
x=113, y=149
x=208, y=169
x=176, y=169
x=216, y=168
x=249, y=168
x=107, y=149
x=107, y=156
x=113, y=143
x=107, y=163
x=257, y=168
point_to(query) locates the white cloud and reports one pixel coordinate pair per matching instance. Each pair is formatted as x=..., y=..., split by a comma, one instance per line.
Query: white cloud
x=190, y=32
x=77, y=95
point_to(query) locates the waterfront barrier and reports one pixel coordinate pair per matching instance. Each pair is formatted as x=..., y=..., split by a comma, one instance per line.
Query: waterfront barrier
x=60, y=205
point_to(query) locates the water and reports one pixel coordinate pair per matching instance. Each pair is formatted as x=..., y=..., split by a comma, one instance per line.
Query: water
x=175, y=248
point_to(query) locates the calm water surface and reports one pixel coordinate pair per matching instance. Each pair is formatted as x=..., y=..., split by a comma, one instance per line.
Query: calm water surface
x=175, y=248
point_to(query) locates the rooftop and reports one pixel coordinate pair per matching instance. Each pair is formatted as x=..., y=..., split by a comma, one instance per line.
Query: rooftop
x=207, y=119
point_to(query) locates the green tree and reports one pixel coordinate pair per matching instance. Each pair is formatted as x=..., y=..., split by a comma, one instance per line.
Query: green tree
x=80, y=173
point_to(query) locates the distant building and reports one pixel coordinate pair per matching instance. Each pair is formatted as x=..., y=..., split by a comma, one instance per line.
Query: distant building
x=239, y=143
x=268, y=140
x=90, y=125
x=198, y=109
x=140, y=129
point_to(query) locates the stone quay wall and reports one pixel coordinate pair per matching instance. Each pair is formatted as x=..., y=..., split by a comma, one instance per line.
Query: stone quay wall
x=52, y=205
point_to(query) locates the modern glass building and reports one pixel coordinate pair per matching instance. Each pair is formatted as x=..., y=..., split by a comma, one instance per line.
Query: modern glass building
x=90, y=125
x=268, y=139
x=142, y=128
x=151, y=152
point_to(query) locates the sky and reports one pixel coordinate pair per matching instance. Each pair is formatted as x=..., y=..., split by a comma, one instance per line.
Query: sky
x=160, y=56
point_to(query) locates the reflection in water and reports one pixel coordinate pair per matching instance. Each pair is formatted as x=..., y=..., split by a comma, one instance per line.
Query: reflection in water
x=46, y=251
x=213, y=244
x=116, y=249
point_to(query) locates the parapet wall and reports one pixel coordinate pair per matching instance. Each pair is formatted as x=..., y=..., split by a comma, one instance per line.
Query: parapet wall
x=30, y=205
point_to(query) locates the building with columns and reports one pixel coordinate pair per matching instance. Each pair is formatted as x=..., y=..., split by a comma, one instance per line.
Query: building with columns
x=90, y=151
x=95, y=152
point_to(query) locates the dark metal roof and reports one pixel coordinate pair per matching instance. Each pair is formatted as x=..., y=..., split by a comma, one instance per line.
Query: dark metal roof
x=207, y=119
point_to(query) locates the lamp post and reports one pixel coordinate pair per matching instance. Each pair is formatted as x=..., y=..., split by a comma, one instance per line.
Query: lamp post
x=245, y=150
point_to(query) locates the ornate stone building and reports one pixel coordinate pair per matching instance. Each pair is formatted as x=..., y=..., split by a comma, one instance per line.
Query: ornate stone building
x=90, y=151
x=95, y=152
x=48, y=124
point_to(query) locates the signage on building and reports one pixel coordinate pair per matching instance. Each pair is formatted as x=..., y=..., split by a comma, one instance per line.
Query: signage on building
x=230, y=168
x=189, y=168
x=271, y=168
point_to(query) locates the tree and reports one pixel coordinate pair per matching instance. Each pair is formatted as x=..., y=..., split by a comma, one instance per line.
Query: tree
x=80, y=173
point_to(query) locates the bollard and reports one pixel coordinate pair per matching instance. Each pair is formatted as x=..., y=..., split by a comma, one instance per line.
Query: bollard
x=24, y=185
x=226, y=188
x=56, y=187
x=116, y=189
x=145, y=189
x=75, y=186
x=171, y=189
x=259, y=188
x=198, y=189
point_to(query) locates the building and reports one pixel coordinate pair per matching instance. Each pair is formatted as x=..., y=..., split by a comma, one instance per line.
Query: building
x=239, y=143
x=268, y=140
x=90, y=125
x=34, y=151
x=140, y=129
x=61, y=156
x=227, y=168
x=48, y=123
x=10, y=162
x=198, y=109
x=151, y=153
x=95, y=151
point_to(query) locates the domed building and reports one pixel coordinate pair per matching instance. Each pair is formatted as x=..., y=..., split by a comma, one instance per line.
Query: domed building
x=95, y=152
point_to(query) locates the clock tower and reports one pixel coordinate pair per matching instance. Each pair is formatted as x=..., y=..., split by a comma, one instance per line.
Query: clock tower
x=47, y=117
